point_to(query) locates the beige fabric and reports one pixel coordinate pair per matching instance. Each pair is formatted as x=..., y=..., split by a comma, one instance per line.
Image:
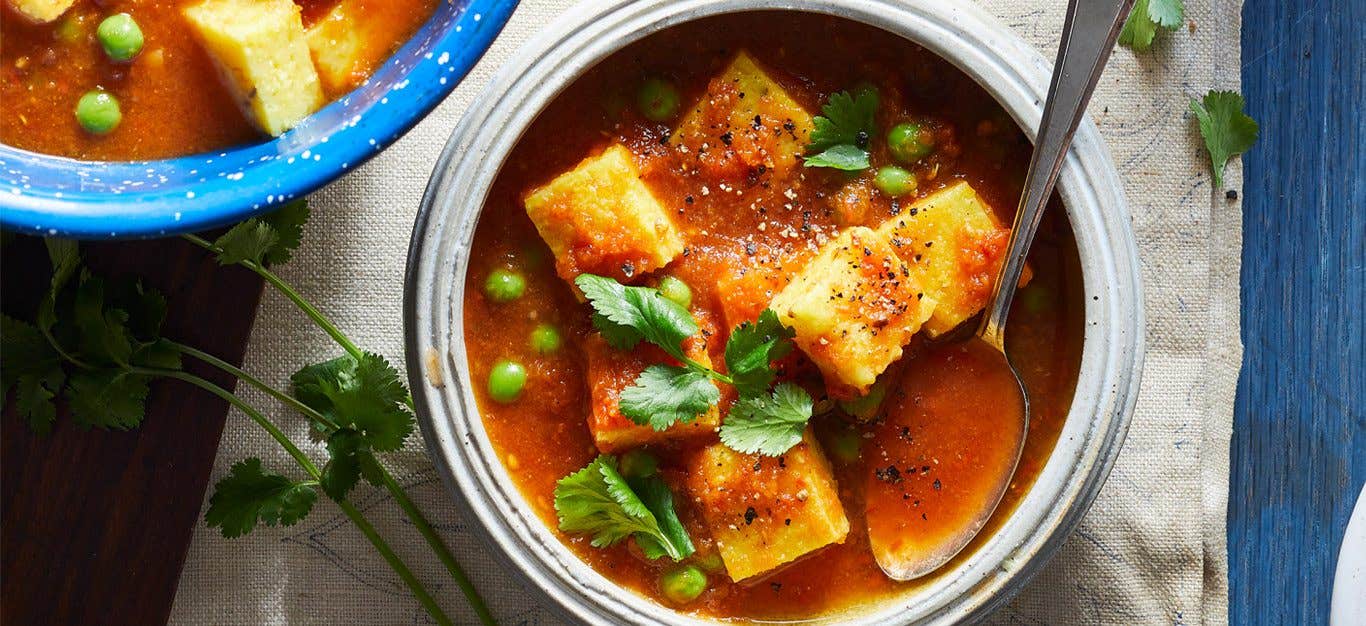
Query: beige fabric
x=1151, y=551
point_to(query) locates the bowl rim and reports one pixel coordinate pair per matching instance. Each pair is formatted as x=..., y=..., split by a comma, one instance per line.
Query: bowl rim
x=116, y=199
x=998, y=60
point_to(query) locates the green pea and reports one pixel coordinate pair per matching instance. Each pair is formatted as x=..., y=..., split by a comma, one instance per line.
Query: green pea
x=895, y=181
x=506, y=381
x=98, y=112
x=545, y=339
x=504, y=285
x=120, y=36
x=657, y=100
x=909, y=142
x=683, y=584
x=844, y=444
x=676, y=290
x=638, y=464
x=866, y=407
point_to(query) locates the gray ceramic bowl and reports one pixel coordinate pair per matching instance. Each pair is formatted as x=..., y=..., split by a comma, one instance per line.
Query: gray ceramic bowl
x=1010, y=70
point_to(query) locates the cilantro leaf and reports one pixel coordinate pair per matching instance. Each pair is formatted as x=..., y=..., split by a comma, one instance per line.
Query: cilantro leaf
x=660, y=500
x=102, y=334
x=65, y=256
x=625, y=315
x=597, y=500
x=107, y=398
x=768, y=424
x=1146, y=17
x=664, y=395
x=33, y=369
x=840, y=137
x=267, y=240
x=366, y=395
x=847, y=157
x=751, y=350
x=1226, y=129
x=248, y=495
x=351, y=460
x=33, y=399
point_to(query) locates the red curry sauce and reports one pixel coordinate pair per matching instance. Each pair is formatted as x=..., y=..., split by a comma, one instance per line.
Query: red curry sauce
x=543, y=436
x=172, y=101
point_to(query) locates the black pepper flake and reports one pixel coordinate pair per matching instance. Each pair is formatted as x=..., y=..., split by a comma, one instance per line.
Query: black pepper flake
x=938, y=485
x=861, y=140
x=888, y=475
x=758, y=122
x=914, y=211
x=782, y=461
x=787, y=522
x=750, y=248
x=687, y=251
x=1231, y=194
x=896, y=207
x=756, y=466
x=789, y=126
x=664, y=137
x=776, y=587
x=929, y=244
x=628, y=268
x=750, y=515
x=688, y=199
x=726, y=138
x=922, y=516
x=742, y=95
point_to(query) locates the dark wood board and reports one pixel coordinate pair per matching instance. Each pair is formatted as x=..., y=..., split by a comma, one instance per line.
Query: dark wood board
x=94, y=525
x=1299, y=431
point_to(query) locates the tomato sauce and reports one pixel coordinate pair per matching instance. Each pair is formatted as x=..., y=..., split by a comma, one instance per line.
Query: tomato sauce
x=170, y=95
x=544, y=435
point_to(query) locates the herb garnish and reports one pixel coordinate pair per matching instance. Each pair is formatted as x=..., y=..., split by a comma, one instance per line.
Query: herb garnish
x=98, y=346
x=599, y=500
x=664, y=395
x=1226, y=129
x=840, y=138
x=1146, y=17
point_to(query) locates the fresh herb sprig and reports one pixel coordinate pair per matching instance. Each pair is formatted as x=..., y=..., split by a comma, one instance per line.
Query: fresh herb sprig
x=1227, y=130
x=601, y=501
x=1146, y=18
x=664, y=395
x=98, y=347
x=841, y=136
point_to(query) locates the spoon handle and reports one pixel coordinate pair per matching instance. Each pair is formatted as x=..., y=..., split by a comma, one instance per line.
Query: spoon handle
x=1088, y=36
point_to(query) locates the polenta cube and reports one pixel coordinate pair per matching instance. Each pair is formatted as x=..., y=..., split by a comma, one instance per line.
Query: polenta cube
x=745, y=122
x=853, y=308
x=260, y=51
x=765, y=512
x=956, y=246
x=610, y=371
x=338, y=41
x=600, y=218
x=40, y=11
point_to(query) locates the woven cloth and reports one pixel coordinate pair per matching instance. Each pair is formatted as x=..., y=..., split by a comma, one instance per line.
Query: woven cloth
x=1151, y=550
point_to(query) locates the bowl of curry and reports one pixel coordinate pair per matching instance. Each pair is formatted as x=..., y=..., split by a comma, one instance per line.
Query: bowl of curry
x=160, y=116
x=679, y=294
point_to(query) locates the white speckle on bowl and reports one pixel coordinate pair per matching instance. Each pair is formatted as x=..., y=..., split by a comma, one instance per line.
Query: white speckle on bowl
x=372, y=141
x=384, y=100
x=443, y=80
x=307, y=154
x=317, y=157
x=443, y=59
x=235, y=176
x=189, y=194
x=478, y=17
x=177, y=216
x=289, y=161
x=51, y=231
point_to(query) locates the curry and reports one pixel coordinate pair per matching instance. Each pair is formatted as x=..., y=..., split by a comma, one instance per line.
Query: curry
x=710, y=304
x=150, y=79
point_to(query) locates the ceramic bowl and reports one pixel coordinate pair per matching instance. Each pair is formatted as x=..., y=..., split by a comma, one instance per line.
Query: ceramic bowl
x=1010, y=70
x=48, y=195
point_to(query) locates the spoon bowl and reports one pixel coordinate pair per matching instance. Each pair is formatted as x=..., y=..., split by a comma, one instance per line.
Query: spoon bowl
x=906, y=547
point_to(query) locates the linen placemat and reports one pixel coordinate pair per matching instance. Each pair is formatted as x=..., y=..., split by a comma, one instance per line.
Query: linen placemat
x=1152, y=549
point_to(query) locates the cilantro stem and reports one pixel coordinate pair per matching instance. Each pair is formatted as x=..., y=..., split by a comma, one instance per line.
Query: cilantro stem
x=415, y=515
x=308, y=466
x=707, y=370
x=442, y=552
x=394, y=561
x=231, y=398
x=289, y=292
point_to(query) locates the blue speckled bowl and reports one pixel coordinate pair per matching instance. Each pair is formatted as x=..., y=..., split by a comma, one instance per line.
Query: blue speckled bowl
x=49, y=195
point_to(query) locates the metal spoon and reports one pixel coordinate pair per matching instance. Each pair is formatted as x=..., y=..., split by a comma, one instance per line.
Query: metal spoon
x=1088, y=36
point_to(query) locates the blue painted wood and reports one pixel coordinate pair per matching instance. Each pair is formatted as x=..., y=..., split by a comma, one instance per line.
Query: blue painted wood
x=1299, y=434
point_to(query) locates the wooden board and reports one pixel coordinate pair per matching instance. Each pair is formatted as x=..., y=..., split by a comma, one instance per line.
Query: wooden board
x=94, y=524
x=1299, y=432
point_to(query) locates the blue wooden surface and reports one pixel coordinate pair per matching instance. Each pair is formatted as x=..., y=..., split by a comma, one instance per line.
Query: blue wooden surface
x=1299, y=434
